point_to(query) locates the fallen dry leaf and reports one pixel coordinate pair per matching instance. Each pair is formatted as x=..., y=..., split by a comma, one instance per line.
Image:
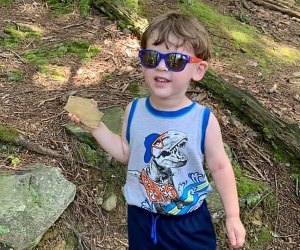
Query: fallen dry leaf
x=85, y=109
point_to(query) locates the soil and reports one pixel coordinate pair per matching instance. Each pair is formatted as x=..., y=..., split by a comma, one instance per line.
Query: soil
x=34, y=106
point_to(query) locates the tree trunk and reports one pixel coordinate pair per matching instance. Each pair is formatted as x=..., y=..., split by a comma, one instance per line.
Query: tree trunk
x=278, y=6
x=280, y=134
x=116, y=10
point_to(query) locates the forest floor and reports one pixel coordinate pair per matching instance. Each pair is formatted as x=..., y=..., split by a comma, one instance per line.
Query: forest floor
x=32, y=102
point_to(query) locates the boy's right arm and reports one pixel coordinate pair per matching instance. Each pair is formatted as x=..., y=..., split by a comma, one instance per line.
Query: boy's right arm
x=112, y=143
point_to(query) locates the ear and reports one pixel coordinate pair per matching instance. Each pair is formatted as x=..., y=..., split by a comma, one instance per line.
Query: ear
x=200, y=71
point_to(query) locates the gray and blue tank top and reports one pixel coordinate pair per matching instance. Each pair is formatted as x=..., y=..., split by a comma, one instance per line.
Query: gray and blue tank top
x=165, y=169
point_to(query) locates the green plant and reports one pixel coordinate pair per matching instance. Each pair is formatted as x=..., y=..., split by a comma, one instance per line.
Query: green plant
x=13, y=160
x=14, y=75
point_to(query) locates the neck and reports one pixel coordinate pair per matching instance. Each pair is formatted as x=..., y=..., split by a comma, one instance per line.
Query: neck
x=170, y=104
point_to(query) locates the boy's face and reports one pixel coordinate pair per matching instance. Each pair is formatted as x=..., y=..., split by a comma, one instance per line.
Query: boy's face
x=164, y=83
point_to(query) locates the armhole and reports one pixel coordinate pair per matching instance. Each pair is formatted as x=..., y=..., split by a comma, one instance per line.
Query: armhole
x=130, y=116
x=205, y=119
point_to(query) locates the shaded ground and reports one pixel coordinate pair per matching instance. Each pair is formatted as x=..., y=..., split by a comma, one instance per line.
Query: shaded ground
x=34, y=106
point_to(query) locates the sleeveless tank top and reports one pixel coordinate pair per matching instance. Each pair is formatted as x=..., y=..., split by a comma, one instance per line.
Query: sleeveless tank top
x=165, y=170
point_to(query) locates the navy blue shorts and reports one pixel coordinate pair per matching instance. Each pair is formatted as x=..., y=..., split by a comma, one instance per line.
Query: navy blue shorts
x=149, y=231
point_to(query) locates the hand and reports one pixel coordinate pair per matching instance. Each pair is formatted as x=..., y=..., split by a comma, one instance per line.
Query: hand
x=76, y=120
x=235, y=231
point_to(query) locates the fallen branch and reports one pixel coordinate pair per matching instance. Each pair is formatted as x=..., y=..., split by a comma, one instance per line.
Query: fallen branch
x=274, y=6
x=12, y=136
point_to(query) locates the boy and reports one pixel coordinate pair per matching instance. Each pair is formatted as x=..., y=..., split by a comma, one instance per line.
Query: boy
x=164, y=140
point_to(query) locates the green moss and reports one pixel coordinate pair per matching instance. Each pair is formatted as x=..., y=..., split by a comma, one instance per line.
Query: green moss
x=245, y=185
x=54, y=72
x=84, y=7
x=114, y=177
x=8, y=134
x=82, y=49
x=58, y=75
x=67, y=6
x=14, y=75
x=106, y=77
x=47, y=58
x=267, y=133
x=61, y=7
x=279, y=154
x=264, y=237
x=6, y=2
x=89, y=155
x=133, y=4
x=18, y=32
x=244, y=37
x=42, y=57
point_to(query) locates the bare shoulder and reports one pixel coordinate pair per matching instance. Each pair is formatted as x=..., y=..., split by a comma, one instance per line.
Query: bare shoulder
x=127, y=110
x=213, y=125
x=214, y=147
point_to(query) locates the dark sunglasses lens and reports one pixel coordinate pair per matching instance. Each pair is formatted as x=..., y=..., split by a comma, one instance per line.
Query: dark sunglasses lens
x=176, y=61
x=149, y=59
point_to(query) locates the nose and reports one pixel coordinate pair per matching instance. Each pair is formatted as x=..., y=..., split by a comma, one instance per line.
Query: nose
x=162, y=65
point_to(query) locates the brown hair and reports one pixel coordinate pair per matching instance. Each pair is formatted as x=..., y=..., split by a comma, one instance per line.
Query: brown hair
x=183, y=26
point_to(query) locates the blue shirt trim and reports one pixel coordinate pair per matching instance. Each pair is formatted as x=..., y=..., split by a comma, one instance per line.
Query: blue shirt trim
x=130, y=116
x=168, y=114
x=204, y=127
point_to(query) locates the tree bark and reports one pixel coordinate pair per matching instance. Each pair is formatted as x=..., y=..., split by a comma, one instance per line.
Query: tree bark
x=275, y=5
x=277, y=132
x=117, y=10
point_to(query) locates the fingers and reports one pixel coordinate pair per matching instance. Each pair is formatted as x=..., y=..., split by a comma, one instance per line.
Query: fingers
x=237, y=239
x=236, y=234
x=240, y=238
x=232, y=238
x=74, y=118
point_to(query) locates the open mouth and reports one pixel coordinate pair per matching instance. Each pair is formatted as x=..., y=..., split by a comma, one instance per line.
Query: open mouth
x=161, y=79
x=176, y=150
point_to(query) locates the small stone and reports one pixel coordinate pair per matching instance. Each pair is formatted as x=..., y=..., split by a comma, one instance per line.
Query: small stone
x=252, y=64
x=99, y=201
x=110, y=203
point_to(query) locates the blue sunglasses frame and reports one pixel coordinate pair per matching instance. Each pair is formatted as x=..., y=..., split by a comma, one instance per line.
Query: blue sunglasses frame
x=159, y=56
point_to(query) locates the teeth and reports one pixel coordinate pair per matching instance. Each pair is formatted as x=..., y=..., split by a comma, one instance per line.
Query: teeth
x=161, y=79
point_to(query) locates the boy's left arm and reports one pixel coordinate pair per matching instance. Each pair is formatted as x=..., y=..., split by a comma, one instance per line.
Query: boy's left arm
x=223, y=176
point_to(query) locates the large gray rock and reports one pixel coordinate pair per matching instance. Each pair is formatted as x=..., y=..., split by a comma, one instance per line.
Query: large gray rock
x=30, y=203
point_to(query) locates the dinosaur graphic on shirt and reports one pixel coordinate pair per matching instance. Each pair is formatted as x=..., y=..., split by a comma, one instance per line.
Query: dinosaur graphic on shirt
x=162, y=154
x=162, y=157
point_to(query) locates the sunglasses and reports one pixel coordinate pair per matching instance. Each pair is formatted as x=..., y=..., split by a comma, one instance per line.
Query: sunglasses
x=174, y=61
